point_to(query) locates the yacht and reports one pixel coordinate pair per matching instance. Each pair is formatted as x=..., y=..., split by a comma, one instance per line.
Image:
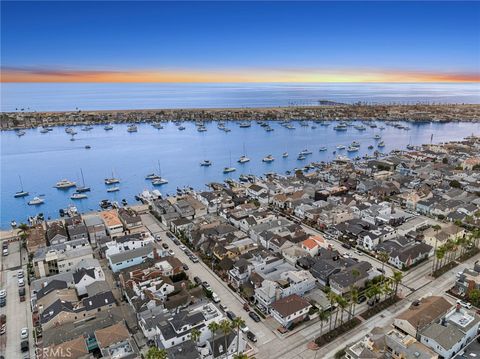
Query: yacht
x=181, y=128
x=285, y=154
x=132, y=128
x=20, y=193
x=352, y=149
x=201, y=129
x=82, y=188
x=341, y=127
x=111, y=180
x=205, y=163
x=64, y=183
x=36, y=201
x=410, y=147
x=381, y=144
x=322, y=149
x=301, y=157
x=113, y=189
x=360, y=127
x=306, y=152
x=268, y=159
x=108, y=127
x=77, y=195
x=13, y=224
x=20, y=133
x=377, y=137
x=268, y=129
x=87, y=128
x=243, y=159
x=43, y=130
x=229, y=169
x=159, y=181
x=341, y=147
x=355, y=144
x=245, y=124
x=151, y=176
x=157, y=125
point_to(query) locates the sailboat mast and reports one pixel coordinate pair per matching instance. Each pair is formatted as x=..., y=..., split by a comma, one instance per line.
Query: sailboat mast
x=83, y=179
x=21, y=184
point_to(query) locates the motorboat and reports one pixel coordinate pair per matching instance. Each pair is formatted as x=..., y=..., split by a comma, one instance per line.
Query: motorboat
x=13, y=224
x=20, y=133
x=181, y=128
x=268, y=159
x=202, y=129
x=205, y=163
x=77, y=195
x=245, y=124
x=381, y=144
x=157, y=125
x=64, y=184
x=355, y=144
x=44, y=130
x=322, y=149
x=87, y=147
x=352, y=149
x=301, y=157
x=377, y=137
x=113, y=189
x=341, y=147
x=111, y=180
x=410, y=147
x=285, y=154
x=360, y=127
x=341, y=127
x=151, y=176
x=87, y=128
x=370, y=147
x=108, y=127
x=132, y=128
x=36, y=201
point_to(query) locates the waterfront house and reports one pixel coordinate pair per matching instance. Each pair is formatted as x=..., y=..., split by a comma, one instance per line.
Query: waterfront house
x=112, y=222
x=95, y=227
x=76, y=228
x=129, y=218
x=128, y=258
x=56, y=233
x=36, y=238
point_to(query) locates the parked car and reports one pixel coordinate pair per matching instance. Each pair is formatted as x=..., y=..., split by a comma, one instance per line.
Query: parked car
x=185, y=267
x=24, y=346
x=158, y=238
x=197, y=280
x=176, y=241
x=464, y=304
x=171, y=252
x=5, y=252
x=361, y=299
x=182, y=247
x=346, y=245
x=3, y=302
x=231, y=315
x=165, y=245
x=254, y=316
x=381, y=270
x=3, y=293
x=169, y=235
x=24, y=333
x=246, y=307
x=251, y=337
x=21, y=282
x=206, y=285
x=3, y=328
x=223, y=307
x=194, y=259
x=244, y=328
x=20, y=273
x=215, y=297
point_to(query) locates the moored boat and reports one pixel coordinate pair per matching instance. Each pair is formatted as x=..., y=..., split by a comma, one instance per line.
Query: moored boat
x=36, y=201
x=268, y=159
x=77, y=195
x=205, y=163
x=64, y=184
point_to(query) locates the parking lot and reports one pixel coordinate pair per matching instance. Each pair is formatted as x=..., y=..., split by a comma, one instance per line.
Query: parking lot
x=18, y=313
x=227, y=296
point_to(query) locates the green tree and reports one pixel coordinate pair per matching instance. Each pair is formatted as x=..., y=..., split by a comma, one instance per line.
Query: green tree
x=195, y=335
x=436, y=227
x=238, y=323
x=156, y=353
x=342, y=303
x=353, y=302
x=383, y=257
x=397, y=280
x=474, y=297
x=332, y=297
x=240, y=356
x=455, y=184
x=213, y=327
x=226, y=328
x=322, y=317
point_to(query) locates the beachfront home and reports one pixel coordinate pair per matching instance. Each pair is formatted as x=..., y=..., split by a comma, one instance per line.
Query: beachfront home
x=112, y=222
x=290, y=310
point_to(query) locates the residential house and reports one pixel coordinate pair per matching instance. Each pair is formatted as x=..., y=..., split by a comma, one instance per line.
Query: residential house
x=290, y=310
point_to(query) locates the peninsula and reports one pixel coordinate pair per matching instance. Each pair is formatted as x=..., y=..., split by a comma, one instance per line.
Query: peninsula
x=329, y=111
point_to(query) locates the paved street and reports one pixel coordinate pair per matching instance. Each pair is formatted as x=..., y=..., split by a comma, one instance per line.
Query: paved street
x=227, y=296
x=18, y=313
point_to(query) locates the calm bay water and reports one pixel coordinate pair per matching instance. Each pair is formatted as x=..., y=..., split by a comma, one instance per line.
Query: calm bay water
x=101, y=96
x=43, y=159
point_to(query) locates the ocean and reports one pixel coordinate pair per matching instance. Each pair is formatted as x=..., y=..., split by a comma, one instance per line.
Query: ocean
x=101, y=96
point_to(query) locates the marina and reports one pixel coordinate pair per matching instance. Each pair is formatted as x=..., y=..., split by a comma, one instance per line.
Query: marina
x=188, y=158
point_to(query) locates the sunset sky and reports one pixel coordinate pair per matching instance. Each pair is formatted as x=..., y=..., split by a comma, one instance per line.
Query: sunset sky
x=240, y=42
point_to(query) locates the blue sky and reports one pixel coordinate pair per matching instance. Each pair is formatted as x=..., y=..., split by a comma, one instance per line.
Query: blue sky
x=230, y=36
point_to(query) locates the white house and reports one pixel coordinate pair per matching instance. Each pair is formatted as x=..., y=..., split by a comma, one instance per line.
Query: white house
x=289, y=310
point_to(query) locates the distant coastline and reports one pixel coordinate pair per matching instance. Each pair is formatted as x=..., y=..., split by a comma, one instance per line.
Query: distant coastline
x=330, y=111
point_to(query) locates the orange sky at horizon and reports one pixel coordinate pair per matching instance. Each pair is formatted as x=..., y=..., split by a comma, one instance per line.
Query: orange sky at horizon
x=10, y=75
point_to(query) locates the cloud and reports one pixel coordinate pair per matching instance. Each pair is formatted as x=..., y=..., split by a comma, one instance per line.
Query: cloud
x=18, y=74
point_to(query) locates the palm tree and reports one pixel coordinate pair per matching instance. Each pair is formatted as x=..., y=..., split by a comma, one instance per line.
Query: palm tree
x=238, y=323
x=353, y=302
x=383, y=257
x=195, y=335
x=23, y=233
x=332, y=297
x=240, y=356
x=213, y=327
x=322, y=317
x=226, y=328
x=342, y=303
x=156, y=353
x=397, y=280
x=436, y=227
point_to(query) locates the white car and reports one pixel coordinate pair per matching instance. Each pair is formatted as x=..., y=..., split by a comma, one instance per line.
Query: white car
x=182, y=247
x=244, y=329
x=171, y=252
x=3, y=293
x=21, y=282
x=215, y=297
x=20, y=273
x=24, y=333
x=464, y=304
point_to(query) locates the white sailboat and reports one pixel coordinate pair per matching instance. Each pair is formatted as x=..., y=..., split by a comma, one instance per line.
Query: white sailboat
x=159, y=180
x=20, y=193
